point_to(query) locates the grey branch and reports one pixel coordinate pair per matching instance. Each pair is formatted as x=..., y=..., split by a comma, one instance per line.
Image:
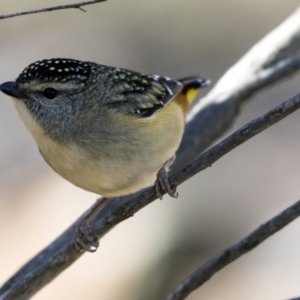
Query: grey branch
x=272, y=59
x=237, y=138
x=232, y=253
x=47, y=9
x=61, y=253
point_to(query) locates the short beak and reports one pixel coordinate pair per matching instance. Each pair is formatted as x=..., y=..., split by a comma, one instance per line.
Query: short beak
x=10, y=88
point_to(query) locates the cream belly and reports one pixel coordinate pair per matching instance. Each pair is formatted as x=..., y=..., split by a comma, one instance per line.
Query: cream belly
x=117, y=175
x=109, y=178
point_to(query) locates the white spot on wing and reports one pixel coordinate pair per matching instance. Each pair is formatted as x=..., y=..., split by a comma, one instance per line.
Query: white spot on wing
x=156, y=77
x=168, y=89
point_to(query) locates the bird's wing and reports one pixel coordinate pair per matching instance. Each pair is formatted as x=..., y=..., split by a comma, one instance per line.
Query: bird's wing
x=142, y=95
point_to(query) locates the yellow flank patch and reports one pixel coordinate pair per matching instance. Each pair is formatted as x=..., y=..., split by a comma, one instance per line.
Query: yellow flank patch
x=191, y=94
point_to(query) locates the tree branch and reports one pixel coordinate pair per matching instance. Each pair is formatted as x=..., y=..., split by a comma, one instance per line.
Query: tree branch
x=272, y=59
x=237, y=138
x=61, y=253
x=59, y=7
x=232, y=253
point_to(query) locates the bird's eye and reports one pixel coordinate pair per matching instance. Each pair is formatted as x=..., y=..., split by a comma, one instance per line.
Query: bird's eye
x=50, y=93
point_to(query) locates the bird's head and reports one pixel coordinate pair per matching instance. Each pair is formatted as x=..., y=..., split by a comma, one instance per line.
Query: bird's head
x=55, y=93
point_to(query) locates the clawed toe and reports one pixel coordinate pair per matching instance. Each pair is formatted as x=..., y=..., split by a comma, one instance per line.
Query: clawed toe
x=162, y=184
x=83, y=240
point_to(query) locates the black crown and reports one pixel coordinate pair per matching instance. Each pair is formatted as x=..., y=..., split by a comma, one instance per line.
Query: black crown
x=56, y=69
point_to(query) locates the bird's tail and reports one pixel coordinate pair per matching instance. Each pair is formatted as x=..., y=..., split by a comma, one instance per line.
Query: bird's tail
x=190, y=89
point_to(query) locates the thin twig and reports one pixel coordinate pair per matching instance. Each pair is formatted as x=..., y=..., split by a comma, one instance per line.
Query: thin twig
x=63, y=252
x=232, y=253
x=47, y=9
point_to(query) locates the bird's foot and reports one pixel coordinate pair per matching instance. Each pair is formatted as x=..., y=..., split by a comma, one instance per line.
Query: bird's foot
x=83, y=240
x=162, y=184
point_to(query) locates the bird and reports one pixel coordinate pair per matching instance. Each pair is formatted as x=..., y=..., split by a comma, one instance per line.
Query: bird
x=107, y=130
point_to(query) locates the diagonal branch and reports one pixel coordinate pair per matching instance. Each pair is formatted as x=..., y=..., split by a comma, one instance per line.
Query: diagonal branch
x=237, y=138
x=270, y=60
x=273, y=58
x=203, y=274
x=47, y=9
x=62, y=252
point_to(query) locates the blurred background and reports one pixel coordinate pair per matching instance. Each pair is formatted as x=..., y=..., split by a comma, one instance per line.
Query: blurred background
x=147, y=255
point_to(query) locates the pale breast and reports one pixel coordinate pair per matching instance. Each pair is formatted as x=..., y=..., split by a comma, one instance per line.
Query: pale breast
x=116, y=175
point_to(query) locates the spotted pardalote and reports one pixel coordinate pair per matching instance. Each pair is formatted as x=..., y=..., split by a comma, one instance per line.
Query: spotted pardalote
x=107, y=130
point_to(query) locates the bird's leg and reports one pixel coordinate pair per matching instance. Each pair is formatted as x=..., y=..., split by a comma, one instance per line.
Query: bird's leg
x=83, y=240
x=162, y=181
